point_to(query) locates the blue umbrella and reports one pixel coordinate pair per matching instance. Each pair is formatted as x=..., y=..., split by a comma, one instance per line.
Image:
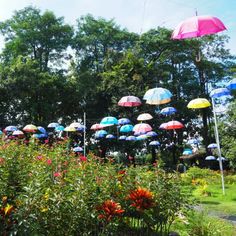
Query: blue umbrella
x=131, y=138
x=126, y=128
x=42, y=130
x=220, y=92
x=168, y=111
x=141, y=137
x=78, y=149
x=123, y=121
x=110, y=136
x=151, y=134
x=232, y=84
x=109, y=120
x=154, y=143
x=210, y=158
x=39, y=136
x=100, y=133
x=59, y=128
x=193, y=141
x=187, y=152
x=80, y=127
x=1, y=132
x=53, y=125
x=212, y=145
x=11, y=128
x=122, y=137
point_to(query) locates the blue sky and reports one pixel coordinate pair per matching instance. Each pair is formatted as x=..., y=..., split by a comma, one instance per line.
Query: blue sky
x=135, y=15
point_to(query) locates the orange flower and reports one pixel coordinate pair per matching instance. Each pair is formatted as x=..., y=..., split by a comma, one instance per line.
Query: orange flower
x=109, y=209
x=141, y=199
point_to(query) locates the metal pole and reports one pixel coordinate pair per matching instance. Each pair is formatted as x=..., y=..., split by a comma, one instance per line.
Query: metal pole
x=84, y=133
x=218, y=147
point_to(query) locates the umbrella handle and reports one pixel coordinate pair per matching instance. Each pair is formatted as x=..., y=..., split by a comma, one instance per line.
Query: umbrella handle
x=198, y=56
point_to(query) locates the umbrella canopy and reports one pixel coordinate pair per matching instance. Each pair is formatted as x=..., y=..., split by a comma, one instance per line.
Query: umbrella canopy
x=142, y=128
x=97, y=126
x=210, y=158
x=154, y=143
x=39, y=136
x=131, y=138
x=157, y=96
x=11, y=128
x=212, y=145
x=232, y=84
x=109, y=120
x=129, y=101
x=151, y=134
x=142, y=137
x=168, y=111
x=222, y=158
x=17, y=132
x=124, y=121
x=53, y=125
x=42, y=130
x=100, y=133
x=126, y=128
x=110, y=136
x=193, y=141
x=77, y=126
x=198, y=26
x=173, y=125
x=122, y=137
x=163, y=126
x=198, y=103
x=78, y=149
x=220, y=92
x=59, y=128
x=187, y=152
x=30, y=128
x=144, y=116
x=70, y=129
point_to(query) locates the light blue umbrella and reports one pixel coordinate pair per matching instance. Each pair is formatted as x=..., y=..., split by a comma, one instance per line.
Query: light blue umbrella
x=53, y=125
x=142, y=137
x=232, y=84
x=126, y=128
x=110, y=136
x=131, y=138
x=42, y=130
x=220, y=92
x=123, y=121
x=78, y=149
x=59, y=128
x=122, y=137
x=11, y=128
x=109, y=120
x=168, y=111
x=154, y=143
x=187, y=152
x=100, y=133
x=39, y=136
x=151, y=134
x=212, y=145
x=1, y=132
x=210, y=158
x=80, y=127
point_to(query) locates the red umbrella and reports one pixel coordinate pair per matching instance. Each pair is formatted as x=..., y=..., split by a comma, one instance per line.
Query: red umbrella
x=198, y=26
x=129, y=101
x=173, y=125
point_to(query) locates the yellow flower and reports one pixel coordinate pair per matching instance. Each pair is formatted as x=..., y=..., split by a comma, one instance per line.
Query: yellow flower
x=45, y=209
x=46, y=196
x=8, y=209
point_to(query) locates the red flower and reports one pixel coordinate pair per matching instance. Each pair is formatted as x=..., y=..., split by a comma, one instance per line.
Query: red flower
x=141, y=199
x=49, y=161
x=39, y=157
x=109, y=209
x=57, y=174
x=83, y=158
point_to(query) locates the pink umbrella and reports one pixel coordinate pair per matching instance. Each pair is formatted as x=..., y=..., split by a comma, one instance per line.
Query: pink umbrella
x=198, y=26
x=173, y=125
x=163, y=126
x=142, y=128
x=129, y=101
x=97, y=126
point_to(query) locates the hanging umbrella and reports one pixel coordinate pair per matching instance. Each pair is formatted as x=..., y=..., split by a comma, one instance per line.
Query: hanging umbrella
x=42, y=130
x=142, y=137
x=198, y=26
x=78, y=149
x=232, y=84
x=187, y=152
x=39, y=136
x=144, y=116
x=198, y=103
x=163, y=126
x=100, y=134
x=59, y=128
x=210, y=158
x=193, y=141
x=97, y=126
x=168, y=111
x=78, y=126
x=122, y=137
x=126, y=128
x=129, y=101
x=131, y=138
x=70, y=129
x=123, y=121
x=212, y=145
x=142, y=128
x=17, y=132
x=222, y=158
x=53, y=125
x=220, y=92
x=110, y=136
x=173, y=125
x=109, y=120
x=157, y=96
x=11, y=128
x=154, y=143
x=151, y=134
x=30, y=128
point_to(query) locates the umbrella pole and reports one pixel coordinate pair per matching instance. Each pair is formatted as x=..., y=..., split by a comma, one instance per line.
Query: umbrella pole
x=84, y=134
x=218, y=147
